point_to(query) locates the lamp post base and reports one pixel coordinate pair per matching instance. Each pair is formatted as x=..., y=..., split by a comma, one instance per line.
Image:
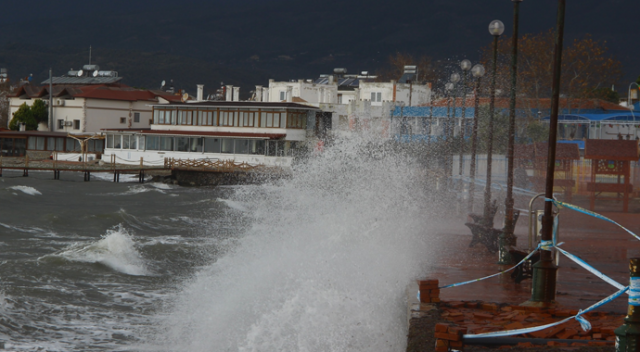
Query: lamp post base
x=543, y=293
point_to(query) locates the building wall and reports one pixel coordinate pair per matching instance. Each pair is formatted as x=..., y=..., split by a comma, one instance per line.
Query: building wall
x=108, y=114
x=310, y=92
x=409, y=94
x=93, y=114
x=291, y=134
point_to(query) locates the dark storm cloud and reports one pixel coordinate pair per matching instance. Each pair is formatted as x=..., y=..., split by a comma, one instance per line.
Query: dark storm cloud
x=293, y=39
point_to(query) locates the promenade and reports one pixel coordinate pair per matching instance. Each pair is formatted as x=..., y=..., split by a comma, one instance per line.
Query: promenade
x=601, y=244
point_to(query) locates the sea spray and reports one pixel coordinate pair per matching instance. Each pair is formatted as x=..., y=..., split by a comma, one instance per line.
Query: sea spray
x=323, y=265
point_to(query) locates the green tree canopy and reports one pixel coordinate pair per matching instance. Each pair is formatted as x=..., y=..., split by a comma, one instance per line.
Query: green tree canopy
x=40, y=111
x=23, y=115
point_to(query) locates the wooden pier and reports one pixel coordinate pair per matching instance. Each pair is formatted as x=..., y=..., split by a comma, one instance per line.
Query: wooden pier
x=56, y=166
x=169, y=165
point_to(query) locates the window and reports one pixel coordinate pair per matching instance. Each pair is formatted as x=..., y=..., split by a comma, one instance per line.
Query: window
x=283, y=95
x=136, y=117
x=339, y=98
x=195, y=145
x=182, y=144
x=51, y=143
x=166, y=143
x=242, y=146
x=60, y=144
x=134, y=142
x=40, y=143
x=212, y=145
x=125, y=141
x=31, y=143
x=73, y=145
x=109, y=141
x=227, y=146
x=60, y=124
x=153, y=143
x=123, y=120
x=376, y=96
x=117, y=141
x=76, y=124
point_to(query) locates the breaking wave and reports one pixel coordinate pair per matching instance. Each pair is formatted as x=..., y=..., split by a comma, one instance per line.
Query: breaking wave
x=115, y=250
x=323, y=266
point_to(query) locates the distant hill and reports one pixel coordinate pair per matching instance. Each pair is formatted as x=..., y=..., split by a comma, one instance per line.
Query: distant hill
x=246, y=42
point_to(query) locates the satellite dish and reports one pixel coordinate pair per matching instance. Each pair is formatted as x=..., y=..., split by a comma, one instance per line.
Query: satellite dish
x=185, y=97
x=95, y=73
x=163, y=84
x=80, y=73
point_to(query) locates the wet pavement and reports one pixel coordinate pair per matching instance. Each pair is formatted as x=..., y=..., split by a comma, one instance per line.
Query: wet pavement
x=601, y=244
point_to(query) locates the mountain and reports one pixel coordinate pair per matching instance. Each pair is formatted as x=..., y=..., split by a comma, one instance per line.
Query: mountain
x=246, y=42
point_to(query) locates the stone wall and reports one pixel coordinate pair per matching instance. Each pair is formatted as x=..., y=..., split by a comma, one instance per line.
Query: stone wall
x=198, y=178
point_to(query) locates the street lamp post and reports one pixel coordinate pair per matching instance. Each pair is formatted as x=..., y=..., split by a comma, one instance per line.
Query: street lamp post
x=496, y=28
x=477, y=71
x=543, y=292
x=629, y=100
x=455, y=78
x=465, y=65
x=448, y=88
x=509, y=202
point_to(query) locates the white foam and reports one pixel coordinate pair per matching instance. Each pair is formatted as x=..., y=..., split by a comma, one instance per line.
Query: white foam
x=324, y=266
x=116, y=250
x=161, y=185
x=27, y=190
x=236, y=205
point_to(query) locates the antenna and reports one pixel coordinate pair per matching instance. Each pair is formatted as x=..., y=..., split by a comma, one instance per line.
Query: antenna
x=90, y=55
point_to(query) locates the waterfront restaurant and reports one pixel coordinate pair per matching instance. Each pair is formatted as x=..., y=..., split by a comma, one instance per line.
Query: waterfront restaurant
x=257, y=133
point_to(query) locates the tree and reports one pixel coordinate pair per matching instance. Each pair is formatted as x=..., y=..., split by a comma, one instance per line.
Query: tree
x=587, y=72
x=23, y=115
x=604, y=93
x=40, y=111
x=428, y=69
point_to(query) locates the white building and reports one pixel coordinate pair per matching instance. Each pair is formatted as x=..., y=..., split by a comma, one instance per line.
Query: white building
x=256, y=133
x=92, y=108
x=350, y=101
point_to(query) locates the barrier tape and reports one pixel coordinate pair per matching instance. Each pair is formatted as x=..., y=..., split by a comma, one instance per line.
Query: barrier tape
x=593, y=270
x=493, y=275
x=560, y=204
x=633, y=288
x=584, y=323
x=634, y=291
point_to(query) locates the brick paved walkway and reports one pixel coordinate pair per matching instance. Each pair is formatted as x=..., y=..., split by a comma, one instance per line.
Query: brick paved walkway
x=601, y=244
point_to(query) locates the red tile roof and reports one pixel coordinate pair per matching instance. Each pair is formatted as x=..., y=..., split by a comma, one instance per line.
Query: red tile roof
x=109, y=92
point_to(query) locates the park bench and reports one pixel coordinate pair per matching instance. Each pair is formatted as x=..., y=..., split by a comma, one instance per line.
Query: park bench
x=487, y=235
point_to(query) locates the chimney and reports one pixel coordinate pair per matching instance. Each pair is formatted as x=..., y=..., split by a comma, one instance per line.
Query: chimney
x=200, y=92
x=258, y=93
x=289, y=94
x=236, y=93
x=229, y=93
x=321, y=95
x=265, y=94
x=331, y=79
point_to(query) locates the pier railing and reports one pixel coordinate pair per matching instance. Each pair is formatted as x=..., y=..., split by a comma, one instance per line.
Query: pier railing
x=214, y=165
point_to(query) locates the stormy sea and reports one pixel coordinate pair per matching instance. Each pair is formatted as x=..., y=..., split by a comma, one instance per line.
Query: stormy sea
x=318, y=261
